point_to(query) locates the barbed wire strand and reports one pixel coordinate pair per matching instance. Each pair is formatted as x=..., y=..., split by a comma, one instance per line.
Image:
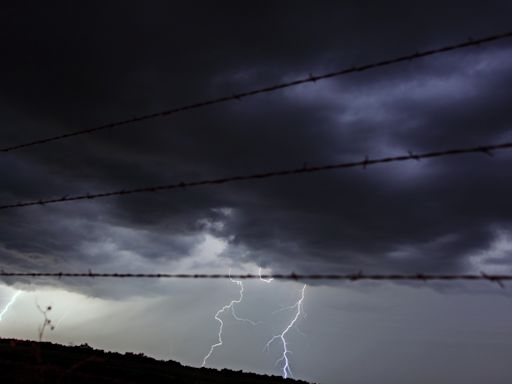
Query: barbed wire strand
x=310, y=79
x=496, y=278
x=486, y=149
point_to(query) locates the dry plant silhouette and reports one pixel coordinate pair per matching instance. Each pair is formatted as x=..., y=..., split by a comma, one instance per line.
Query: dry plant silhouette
x=46, y=322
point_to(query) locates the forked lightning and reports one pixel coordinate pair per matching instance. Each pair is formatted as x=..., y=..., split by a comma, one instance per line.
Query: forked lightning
x=287, y=372
x=230, y=306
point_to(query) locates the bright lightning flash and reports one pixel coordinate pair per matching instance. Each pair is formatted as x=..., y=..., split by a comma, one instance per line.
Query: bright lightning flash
x=9, y=304
x=286, y=367
x=262, y=279
x=230, y=306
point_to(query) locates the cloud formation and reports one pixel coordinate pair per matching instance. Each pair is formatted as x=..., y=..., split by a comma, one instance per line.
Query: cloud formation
x=72, y=67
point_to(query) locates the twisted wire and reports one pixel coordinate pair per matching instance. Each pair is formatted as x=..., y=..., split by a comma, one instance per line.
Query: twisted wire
x=359, y=276
x=486, y=149
x=271, y=88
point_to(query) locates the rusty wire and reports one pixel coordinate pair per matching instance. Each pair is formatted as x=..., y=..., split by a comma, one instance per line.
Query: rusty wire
x=486, y=149
x=359, y=276
x=271, y=88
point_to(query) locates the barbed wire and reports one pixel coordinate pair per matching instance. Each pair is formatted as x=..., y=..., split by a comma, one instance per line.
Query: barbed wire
x=271, y=88
x=495, y=278
x=486, y=149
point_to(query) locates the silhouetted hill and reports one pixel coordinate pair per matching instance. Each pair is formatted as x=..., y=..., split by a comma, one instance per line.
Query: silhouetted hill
x=33, y=362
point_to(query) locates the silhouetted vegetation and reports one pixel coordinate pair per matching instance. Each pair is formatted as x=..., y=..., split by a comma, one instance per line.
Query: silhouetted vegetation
x=37, y=362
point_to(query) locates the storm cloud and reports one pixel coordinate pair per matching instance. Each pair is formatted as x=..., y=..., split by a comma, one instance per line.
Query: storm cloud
x=68, y=65
x=74, y=67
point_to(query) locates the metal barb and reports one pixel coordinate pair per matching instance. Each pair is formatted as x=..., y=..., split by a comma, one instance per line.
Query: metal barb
x=486, y=151
x=413, y=156
x=365, y=162
x=493, y=279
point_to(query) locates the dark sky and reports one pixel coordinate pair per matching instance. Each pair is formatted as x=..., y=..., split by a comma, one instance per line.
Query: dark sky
x=69, y=65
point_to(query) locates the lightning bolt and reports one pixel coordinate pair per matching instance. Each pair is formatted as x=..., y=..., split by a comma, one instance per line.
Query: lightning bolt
x=62, y=317
x=262, y=279
x=9, y=304
x=230, y=306
x=287, y=372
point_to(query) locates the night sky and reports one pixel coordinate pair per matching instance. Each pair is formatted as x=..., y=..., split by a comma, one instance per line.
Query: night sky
x=74, y=65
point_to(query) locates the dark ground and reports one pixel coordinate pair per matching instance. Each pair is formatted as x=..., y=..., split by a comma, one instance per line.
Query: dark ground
x=32, y=362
